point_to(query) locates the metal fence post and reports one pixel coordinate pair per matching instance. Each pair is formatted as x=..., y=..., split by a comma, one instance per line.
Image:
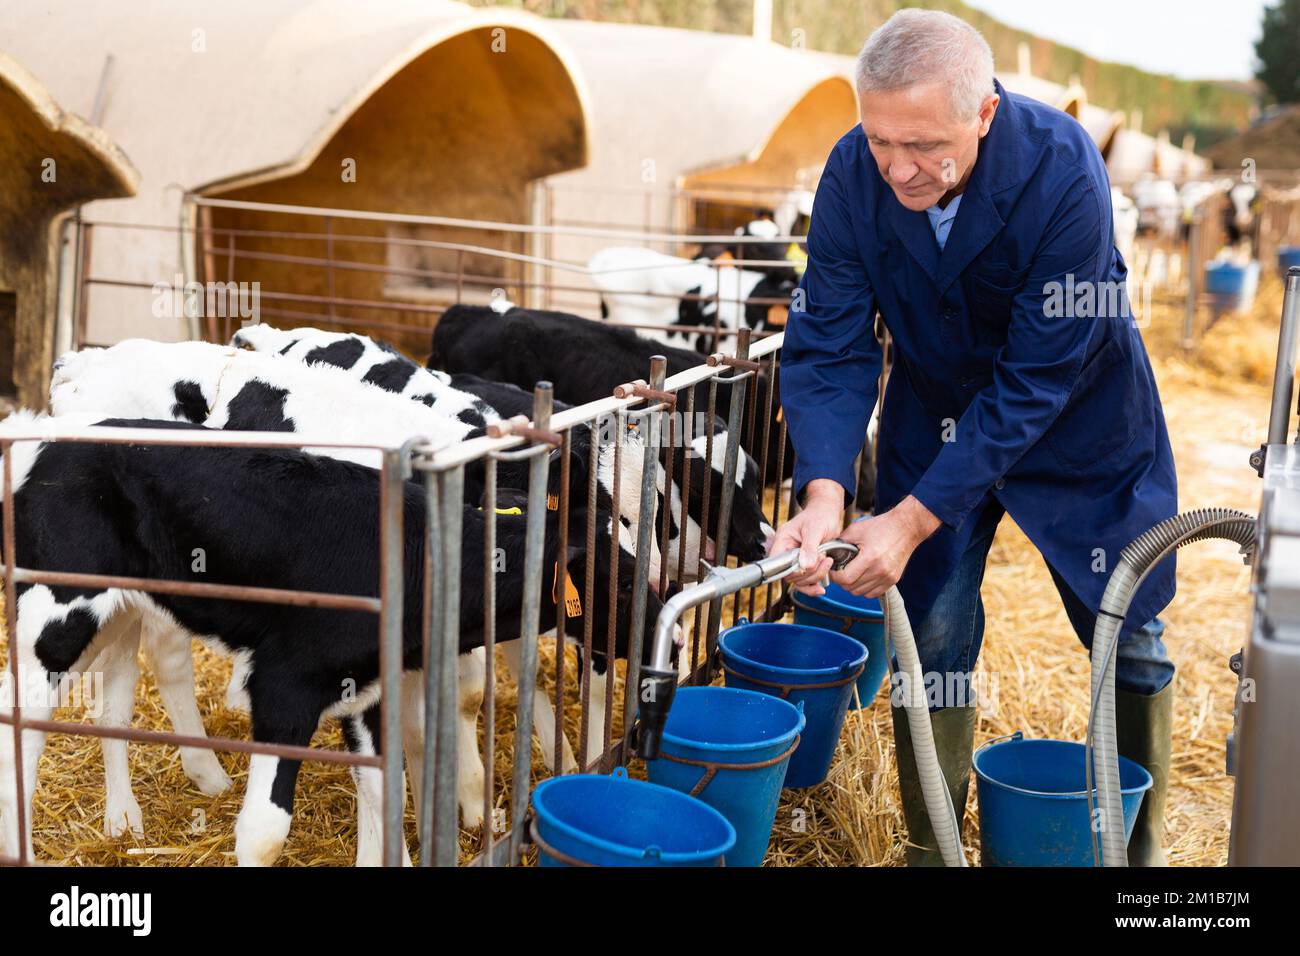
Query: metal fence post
x=446, y=836
x=644, y=537
x=534, y=540
x=392, y=584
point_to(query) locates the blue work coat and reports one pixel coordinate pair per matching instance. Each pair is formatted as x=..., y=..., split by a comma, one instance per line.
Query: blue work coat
x=1019, y=371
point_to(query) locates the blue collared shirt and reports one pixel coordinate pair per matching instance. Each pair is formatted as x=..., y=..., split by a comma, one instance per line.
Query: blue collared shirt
x=941, y=220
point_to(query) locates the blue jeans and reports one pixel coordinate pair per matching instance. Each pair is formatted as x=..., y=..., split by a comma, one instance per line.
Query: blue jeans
x=948, y=639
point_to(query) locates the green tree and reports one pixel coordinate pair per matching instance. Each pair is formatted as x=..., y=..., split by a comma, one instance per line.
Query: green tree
x=1278, y=49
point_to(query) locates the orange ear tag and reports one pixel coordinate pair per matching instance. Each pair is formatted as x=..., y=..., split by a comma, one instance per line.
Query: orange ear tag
x=552, y=502
x=572, y=603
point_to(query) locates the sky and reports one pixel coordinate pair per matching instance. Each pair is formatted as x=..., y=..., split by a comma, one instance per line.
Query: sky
x=1191, y=39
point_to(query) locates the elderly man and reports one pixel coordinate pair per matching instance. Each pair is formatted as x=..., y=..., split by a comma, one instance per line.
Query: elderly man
x=978, y=224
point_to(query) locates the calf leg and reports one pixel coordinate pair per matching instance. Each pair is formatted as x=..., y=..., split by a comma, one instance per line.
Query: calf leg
x=168, y=651
x=49, y=637
x=363, y=736
x=119, y=663
x=282, y=714
x=543, y=716
x=470, y=775
x=413, y=739
x=598, y=702
x=236, y=695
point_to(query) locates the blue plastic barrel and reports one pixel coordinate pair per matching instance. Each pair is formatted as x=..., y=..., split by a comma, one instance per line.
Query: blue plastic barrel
x=593, y=820
x=730, y=748
x=1288, y=257
x=859, y=617
x=1230, y=286
x=1033, y=802
x=804, y=665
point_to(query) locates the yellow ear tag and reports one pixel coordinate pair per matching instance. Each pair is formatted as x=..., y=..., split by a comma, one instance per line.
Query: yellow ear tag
x=509, y=511
x=572, y=603
x=552, y=502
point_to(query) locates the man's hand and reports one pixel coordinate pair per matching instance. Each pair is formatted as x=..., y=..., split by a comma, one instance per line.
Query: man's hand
x=821, y=519
x=885, y=543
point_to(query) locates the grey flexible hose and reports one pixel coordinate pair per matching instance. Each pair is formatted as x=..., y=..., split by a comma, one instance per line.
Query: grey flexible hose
x=938, y=802
x=1135, y=563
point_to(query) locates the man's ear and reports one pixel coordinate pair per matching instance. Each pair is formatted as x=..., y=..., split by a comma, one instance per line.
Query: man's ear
x=988, y=109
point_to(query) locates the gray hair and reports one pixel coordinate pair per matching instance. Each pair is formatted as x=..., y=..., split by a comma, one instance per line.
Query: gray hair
x=926, y=46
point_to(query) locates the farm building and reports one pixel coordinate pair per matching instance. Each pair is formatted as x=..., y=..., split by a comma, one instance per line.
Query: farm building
x=761, y=120
x=423, y=106
x=51, y=162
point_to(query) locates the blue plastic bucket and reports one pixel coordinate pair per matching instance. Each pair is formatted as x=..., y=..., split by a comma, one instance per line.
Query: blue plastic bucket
x=804, y=665
x=1231, y=286
x=1033, y=802
x=1288, y=257
x=738, y=744
x=859, y=617
x=592, y=820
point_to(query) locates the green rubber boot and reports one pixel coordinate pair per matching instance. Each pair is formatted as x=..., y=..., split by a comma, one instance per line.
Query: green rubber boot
x=1144, y=732
x=954, y=735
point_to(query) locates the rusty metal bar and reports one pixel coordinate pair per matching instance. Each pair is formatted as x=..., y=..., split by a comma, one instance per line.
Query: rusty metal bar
x=738, y=391
x=589, y=596
x=489, y=653
x=85, y=235
x=706, y=496
x=11, y=636
x=558, y=584
x=230, y=592
x=221, y=744
x=639, y=389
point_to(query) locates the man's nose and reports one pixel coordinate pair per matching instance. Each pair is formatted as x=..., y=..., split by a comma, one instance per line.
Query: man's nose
x=902, y=173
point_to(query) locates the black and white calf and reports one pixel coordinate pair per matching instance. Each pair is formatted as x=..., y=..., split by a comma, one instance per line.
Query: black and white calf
x=267, y=518
x=676, y=297
x=373, y=362
x=493, y=401
x=524, y=345
x=243, y=390
x=768, y=251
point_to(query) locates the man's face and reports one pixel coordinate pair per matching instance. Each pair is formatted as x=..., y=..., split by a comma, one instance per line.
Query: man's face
x=922, y=151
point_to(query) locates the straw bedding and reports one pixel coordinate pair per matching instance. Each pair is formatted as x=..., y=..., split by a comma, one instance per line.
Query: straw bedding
x=1035, y=673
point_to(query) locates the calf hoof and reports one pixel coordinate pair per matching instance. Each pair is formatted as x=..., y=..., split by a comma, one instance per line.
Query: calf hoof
x=123, y=817
x=205, y=772
x=260, y=836
x=471, y=811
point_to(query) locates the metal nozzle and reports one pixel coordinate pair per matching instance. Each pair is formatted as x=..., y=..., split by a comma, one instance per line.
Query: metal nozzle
x=658, y=681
